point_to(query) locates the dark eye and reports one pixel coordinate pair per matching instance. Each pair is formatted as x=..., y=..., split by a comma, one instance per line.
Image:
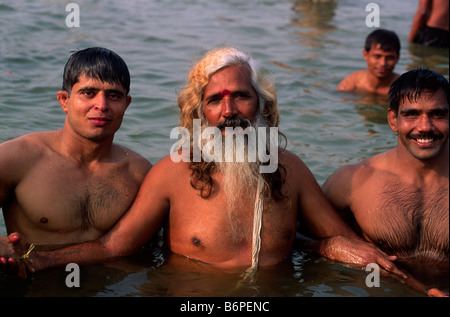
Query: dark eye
x=410, y=114
x=213, y=101
x=242, y=96
x=439, y=114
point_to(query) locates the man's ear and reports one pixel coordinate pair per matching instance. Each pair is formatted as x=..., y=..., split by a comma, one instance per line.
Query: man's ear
x=63, y=97
x=364, y=52
x=128, y=100
x=392, y=120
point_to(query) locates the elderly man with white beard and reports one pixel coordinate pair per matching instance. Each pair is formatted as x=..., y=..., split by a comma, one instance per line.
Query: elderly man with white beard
x=227, y=215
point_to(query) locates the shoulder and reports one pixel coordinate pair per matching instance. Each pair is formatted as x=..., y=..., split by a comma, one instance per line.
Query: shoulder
x=168, y=169
x=29, y=145
x=351, y=81
x=166, y=177
x=136, y=161
x=351, y=176
x=18, y=155
x=291, y=161
x=297, y=173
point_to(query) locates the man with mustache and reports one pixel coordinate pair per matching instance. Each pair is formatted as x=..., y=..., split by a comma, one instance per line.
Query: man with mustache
x=381, y=53
x=226, y=214
x=399, y=199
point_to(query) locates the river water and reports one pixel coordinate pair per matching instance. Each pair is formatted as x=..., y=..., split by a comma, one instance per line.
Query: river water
x=306, y=46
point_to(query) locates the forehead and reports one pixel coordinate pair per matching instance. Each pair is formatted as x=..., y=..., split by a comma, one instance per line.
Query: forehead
x=229, y=78
x=426, y=100
x=93, y=82
x=376, y=49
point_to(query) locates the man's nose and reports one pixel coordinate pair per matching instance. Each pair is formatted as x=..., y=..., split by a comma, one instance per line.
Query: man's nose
x=229, y=108
x=425, y=123
x=101, y=101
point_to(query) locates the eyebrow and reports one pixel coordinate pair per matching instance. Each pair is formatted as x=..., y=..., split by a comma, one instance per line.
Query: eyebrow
x=220, y=94
x=116, y=91
x=409, y=110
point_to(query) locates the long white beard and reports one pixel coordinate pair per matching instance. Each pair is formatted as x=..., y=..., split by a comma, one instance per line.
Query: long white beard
x=241, y=185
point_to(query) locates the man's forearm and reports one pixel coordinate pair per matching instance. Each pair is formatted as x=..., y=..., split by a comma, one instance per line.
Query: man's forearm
x=89, y=252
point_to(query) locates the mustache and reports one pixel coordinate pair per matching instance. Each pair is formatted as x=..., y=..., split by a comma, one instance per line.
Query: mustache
x=233, y=123
x=426, y=135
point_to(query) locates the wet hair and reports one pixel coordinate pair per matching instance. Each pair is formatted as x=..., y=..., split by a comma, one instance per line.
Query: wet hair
x=413, y=84
x=96, y=62
x=388, y=40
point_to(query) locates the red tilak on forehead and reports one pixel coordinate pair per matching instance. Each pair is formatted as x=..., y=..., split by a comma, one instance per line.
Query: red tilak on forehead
x=224, y=92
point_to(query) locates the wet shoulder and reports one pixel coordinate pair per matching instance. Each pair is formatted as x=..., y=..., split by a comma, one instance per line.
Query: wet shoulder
x=372, y=170
x=291, y=161
x=137, y=162
x=31, y=145
x=169, y=169
x=350, y=82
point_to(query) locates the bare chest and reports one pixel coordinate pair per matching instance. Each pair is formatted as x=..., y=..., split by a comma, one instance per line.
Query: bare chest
x=63, y=198
x=208, y=230
x=406, y=220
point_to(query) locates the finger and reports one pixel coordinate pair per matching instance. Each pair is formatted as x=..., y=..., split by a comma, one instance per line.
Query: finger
x=22, y=271
x=390, y=267
x=389, y=257
x=3, y=261
x=434, y=292
x=29, y=266
x=12, y=262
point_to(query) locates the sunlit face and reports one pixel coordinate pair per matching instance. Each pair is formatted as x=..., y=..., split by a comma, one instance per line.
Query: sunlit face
x=380, y=63
x=94, y=109
x=229, y=94
x=422, y=126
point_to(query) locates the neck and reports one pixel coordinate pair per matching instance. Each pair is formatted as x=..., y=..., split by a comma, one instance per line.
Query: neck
x=377, y=82
x=422, y=169
x=81, y=149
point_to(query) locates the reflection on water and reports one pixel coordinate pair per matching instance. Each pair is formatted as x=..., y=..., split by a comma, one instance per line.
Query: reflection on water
x=434, y=58
x=313, y=19
x=371, y=107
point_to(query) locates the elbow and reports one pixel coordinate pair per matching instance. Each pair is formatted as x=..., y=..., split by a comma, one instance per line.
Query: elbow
x=117, y=247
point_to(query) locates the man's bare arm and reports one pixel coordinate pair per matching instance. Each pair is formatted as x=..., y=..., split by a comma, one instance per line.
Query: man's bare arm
x=133, y=230
x=419, y=18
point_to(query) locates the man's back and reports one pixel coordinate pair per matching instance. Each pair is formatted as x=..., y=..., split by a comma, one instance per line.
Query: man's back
x=52, y=198
x=438, y=17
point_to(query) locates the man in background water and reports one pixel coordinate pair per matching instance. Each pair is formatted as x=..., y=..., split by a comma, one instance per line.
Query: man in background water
x=381, y=53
